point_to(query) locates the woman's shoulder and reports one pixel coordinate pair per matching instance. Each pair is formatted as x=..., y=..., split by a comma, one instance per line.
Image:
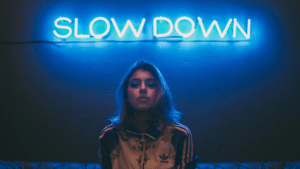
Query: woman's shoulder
x=180, y=128
x=108, y=130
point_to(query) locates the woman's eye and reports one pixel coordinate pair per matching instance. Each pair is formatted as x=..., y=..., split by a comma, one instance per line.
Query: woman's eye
x=152, y=85
x=134, y=85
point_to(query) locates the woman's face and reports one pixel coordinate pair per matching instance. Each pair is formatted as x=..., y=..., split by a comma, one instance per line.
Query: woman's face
x=143, y=90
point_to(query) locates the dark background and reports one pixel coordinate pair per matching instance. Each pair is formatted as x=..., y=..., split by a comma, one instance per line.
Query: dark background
x=240, y=99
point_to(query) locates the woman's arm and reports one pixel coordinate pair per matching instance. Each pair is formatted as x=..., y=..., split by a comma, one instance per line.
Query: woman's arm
x=103, y=154
x=186, y=157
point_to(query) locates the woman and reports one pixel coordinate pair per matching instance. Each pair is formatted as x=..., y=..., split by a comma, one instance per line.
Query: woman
x=145, y=131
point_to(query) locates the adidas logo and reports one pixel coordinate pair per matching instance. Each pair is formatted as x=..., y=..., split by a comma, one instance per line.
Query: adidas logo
x=164, y=158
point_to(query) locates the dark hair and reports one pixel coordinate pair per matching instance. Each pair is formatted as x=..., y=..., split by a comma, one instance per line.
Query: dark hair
x=165, y=108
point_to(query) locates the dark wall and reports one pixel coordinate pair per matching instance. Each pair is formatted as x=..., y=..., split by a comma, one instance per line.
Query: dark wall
x=239, y=98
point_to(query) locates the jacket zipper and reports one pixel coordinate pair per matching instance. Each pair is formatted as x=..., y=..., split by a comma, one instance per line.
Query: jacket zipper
x=144, y=147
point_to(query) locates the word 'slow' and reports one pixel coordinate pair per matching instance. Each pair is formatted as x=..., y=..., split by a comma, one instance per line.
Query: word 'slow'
x=156, y=22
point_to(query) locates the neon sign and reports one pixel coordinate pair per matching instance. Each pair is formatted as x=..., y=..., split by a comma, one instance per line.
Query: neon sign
x=66, y=25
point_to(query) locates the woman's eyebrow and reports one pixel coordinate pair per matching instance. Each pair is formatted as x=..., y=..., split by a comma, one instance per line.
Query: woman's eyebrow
x=151, y=79
x=135, y=79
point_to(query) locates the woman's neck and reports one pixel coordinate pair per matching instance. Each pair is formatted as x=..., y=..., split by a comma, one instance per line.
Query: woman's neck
x=143, y=120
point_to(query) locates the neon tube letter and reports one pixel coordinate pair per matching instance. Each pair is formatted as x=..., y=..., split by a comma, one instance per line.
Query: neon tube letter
x=222, y=34
x=155, y=27
x=62, y=27
x=76, y=31
x=185, y=35
x=128, y=23
x=102, y=34
x=236, y=24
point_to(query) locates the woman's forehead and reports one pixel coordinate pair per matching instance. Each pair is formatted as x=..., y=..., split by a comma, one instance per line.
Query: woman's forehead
x=142, y=74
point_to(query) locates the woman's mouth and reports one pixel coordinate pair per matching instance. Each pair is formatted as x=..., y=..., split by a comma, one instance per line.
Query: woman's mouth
x=143, y=98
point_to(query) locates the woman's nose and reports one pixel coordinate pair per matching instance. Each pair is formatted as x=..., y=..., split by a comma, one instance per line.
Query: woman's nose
x=143, y=91
x=143, y=88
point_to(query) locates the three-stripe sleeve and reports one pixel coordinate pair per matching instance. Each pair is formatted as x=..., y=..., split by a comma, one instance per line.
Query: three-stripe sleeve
x=188, y=157
x=103, y=151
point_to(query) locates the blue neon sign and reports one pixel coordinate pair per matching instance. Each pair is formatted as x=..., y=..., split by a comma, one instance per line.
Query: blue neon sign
x=65, y=26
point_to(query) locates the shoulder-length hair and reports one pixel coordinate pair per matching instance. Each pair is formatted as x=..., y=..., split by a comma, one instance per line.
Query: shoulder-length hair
x=165, y=109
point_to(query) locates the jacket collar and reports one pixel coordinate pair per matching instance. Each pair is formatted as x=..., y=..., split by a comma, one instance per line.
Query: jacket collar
x=153, y=132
